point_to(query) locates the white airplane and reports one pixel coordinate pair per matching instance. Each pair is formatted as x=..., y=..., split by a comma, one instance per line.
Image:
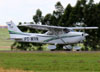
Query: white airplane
x=54, y=35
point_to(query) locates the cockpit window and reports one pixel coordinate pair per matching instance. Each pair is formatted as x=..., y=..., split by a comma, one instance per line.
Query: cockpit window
x=66, y=30
x=57, y=32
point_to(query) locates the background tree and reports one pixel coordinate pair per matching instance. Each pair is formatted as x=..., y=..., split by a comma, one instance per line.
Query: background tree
x=57, y=13
x=47, y=19
x=91, y=18
x=38, y=18
x=64, y=20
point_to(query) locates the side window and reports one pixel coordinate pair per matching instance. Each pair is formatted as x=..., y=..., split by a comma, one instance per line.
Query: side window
x=49, y=33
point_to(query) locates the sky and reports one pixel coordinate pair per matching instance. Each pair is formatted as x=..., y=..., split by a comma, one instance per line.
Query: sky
x=23, y=10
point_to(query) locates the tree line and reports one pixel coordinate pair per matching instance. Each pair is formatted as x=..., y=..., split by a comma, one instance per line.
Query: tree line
x=84, y=13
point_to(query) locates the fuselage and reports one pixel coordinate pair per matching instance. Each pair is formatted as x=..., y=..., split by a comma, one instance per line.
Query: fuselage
x=67, y=38
x=54, y=34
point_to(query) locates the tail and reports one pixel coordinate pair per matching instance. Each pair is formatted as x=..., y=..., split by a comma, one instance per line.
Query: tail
x=13, y=30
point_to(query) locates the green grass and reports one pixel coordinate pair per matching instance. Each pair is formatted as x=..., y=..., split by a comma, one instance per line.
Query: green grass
x=4, y=35
x=51, y=62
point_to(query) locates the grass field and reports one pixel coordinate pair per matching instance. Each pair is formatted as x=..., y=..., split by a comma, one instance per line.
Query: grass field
x=51, y=62
x=4, y=42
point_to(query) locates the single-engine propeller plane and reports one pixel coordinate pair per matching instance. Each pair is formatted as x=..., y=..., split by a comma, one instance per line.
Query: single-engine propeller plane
x=54, y=35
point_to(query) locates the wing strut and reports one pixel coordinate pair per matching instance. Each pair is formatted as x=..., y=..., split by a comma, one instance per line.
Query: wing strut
x=60, y=39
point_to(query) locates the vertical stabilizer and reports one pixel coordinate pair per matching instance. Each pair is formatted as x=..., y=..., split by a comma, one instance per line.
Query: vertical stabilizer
x=12, y=27
x=13, y=30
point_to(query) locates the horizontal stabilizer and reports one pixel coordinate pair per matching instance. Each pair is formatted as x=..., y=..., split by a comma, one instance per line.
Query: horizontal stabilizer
x=15, y=38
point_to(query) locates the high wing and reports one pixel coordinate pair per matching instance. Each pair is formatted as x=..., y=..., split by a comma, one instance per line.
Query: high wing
x=42, y=27
x=82, y=28
x=47, y=27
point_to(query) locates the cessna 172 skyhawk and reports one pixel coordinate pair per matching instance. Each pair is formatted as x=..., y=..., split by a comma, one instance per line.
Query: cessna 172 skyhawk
x=54, y=35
